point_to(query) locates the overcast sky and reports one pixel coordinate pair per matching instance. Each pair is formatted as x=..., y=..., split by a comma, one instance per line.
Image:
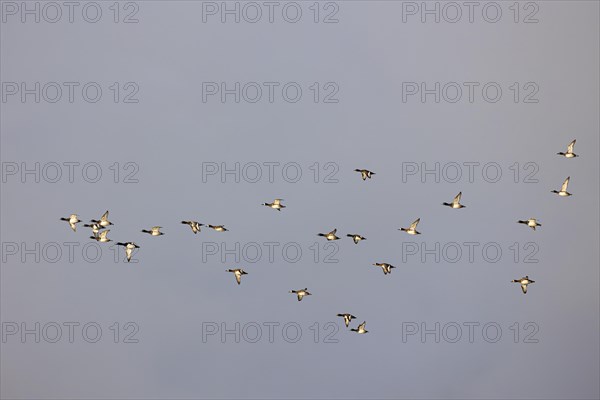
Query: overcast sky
x=169, y=143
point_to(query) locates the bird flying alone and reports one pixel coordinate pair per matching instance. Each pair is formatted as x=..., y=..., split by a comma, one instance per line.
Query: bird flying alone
x=531, y=222
x=103, y=221
x=129, y=247
x=330, y=235
x=101, y=237
x=301, y=293
x=218, y=228
x=347, y=318
x=387, y=268
x=412, y=229
x=356, y=237
x=524, y=282
x=195, y=225
x=569, y=153
x=456, y=202
x=238, y=272
x=154, y=231
x=276, y=204
x=563, y=189
x=365, y=173
x=361, y=328
x=72, y=220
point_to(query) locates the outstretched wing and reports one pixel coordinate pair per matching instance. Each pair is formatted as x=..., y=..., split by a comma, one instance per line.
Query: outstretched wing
x=104, y=216
x=565, y=185
x=524, y=288
x=414, y=224
x=570, y=146
x=457, y=198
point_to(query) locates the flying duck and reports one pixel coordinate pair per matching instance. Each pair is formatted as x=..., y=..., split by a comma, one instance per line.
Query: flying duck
x=238, y=272
x=412, y=229
x=195, y=225
x=276, y=204
x=569, y=153
x=524, y=282
x=301, y=293
x=361, y=328
x=356, y=238
x=95, y=228
x=103, y=221
x=563, y=190
x=365, y=173
x=101, y=237
x=456, y=202
x=218, y=228
x=387, y=268
x=347, y=318
x=72, y=220
x=531, y=222
x=330, y=235
x=129, y=246
x=154, y=231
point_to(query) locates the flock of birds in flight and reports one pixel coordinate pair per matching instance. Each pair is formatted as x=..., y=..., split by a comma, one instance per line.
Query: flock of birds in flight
x=99, y=233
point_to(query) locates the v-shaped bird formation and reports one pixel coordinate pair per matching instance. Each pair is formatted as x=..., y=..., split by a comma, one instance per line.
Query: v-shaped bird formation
x=100, y=234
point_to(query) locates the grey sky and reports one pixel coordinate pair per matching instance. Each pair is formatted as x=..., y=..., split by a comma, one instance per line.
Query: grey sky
x=171, y=132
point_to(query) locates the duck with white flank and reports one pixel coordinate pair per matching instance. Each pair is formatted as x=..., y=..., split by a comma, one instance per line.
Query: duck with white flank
x=361, y=328
x=387, y=268
x=276, y=204
x=195, y=225
x=154, y=231
x=456, y=202
x=238, y=272
x=356, y=237
x=531, y=222
x=129, y=246
x=95, y=228
x=347, y=318
x=301, y=293
x=569, y=153
x=330, y=235
x=524, y=282
x=563, y=190
x=101, y=237
x=103, y=221
x=72, y=220
x=412, y=229
x=365, y=173
x=218, y=228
